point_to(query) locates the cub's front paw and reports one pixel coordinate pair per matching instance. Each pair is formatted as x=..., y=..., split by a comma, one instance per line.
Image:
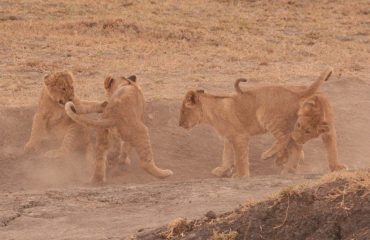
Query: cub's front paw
x=125, y=160
x=288, y=170
x=266, y=155
x=102, y=106
x=280, y=161
x=221, y=172
x=29, y=148
x=98, y=179
x=238, y=176
x=338, y=167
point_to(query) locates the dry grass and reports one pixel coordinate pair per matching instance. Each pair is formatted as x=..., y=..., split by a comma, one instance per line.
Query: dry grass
x=333, y=208
x=228, y=235
x=173, y=45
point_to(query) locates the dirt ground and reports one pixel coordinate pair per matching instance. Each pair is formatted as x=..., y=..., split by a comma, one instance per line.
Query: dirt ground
x=171, y=46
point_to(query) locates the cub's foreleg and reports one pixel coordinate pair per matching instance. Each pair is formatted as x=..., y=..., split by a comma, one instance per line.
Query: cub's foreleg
x=83, y=107
x=241, y=150
x=330, y=141
x=227, y=161
x=38, y=131
x=293, y=155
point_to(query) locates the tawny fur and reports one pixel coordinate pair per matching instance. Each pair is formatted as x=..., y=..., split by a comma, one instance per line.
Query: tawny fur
x=315, y=118
x=51, y=121
x=124, y=114
x=252, y=112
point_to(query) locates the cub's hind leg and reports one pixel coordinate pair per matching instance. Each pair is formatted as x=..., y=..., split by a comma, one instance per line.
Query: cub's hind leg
x=76, y=139
x=141, y=142
x=119, y=150
x=124, y=153
x=102, y=145
x=117, y=156
x=114, y=147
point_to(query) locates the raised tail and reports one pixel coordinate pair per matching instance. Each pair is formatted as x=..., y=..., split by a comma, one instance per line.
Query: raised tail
x=86, y=121
x=236, y=84
x=312, y=89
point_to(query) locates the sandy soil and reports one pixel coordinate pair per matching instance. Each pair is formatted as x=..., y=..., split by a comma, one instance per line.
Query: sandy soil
x=171, y=46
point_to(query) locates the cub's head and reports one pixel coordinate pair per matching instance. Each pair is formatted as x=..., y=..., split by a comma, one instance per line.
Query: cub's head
x=111, y=84
x=191, y=110
x=59, y=86
x=311, y=121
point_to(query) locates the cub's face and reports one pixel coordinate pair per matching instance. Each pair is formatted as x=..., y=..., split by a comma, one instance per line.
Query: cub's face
x=60, y=87
x=191, y=110
x=305, y=129
x=111, y=84
x=310, y=123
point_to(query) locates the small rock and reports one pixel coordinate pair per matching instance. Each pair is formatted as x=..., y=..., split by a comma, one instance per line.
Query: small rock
x=13, y=18
x=344, y=38
x=211, y=215
x=263, y=63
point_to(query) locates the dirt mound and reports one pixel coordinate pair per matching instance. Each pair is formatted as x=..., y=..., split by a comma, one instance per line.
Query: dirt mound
x=336, y=208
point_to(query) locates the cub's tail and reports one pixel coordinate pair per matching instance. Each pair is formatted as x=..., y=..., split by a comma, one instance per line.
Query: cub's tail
x=86, y=121
x=312, y=89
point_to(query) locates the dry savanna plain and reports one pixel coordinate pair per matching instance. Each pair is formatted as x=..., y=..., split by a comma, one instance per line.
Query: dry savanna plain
x=172, y=47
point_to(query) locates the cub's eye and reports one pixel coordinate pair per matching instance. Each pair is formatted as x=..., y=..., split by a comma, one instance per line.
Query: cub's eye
x=308, y=131
x=64, y=89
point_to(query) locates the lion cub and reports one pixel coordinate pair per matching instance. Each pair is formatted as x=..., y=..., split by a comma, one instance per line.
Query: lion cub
x=51, y=121
x=252, y=112
x=125, y=114
x=315, y=118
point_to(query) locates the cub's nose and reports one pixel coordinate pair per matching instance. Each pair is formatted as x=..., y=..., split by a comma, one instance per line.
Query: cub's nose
x=181, y=123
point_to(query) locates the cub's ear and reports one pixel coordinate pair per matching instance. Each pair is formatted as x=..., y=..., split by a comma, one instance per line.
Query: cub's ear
x=311, y=106
x=132, y=78
x=108, y=82
x=47, y=79
x=69, y=76
x=312, y=101
x=191, y=99
x=323, y=127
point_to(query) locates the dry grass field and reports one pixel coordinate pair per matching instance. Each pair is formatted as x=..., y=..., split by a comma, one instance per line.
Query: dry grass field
x=171, y=46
